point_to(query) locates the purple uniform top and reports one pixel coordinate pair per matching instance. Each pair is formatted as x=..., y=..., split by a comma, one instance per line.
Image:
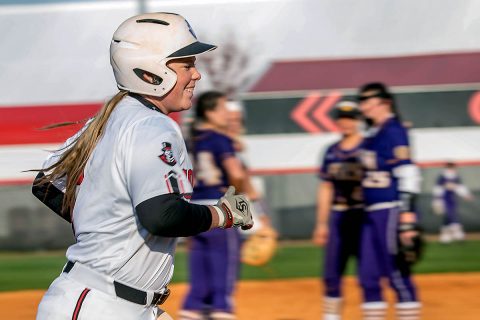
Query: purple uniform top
x=210, y=149
x=385, y=149
x=344, y=170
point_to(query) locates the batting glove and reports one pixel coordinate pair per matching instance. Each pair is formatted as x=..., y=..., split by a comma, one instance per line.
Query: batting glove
x=234, y=210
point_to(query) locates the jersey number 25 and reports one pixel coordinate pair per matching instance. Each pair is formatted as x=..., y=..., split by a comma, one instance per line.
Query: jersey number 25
x=377, y=179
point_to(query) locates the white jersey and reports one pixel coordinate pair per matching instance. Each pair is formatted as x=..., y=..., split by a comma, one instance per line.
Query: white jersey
x=141, y=155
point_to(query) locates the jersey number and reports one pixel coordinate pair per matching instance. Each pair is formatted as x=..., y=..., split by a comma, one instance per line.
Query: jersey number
x=206, y=170
x=377, y=179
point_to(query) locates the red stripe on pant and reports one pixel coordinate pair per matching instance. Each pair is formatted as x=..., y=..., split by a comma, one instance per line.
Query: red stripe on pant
x=76, y=312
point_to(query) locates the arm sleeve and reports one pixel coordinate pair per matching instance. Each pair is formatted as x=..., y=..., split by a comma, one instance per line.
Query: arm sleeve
x=407, y=173
x=409, y=178
x=52, y=193
x=169, y=215
x=51, y=196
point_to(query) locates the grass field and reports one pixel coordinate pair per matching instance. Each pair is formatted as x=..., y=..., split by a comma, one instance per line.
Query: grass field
x=37, y=270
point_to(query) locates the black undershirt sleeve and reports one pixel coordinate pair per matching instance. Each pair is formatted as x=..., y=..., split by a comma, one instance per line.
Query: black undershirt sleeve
x=169, y=215
x=50, y=196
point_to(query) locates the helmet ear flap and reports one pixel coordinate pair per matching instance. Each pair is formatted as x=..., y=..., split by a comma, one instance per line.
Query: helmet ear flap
x=145, y=75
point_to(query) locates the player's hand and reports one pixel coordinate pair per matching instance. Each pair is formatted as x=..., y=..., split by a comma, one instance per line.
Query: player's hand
x=410, y=238
x=320, y=235
x=408, y=228
x=438, y=206
x=236, y=210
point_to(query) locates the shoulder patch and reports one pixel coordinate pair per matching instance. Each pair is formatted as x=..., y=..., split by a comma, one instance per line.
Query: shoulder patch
x=167, y=154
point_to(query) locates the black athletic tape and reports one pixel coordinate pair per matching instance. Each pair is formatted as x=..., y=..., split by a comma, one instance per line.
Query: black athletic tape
x=403, y=227
x=408, y=202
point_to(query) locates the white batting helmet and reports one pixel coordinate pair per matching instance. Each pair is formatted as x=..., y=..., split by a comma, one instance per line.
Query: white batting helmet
x=144, y=44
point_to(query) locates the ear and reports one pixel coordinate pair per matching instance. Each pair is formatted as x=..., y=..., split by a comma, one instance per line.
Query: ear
x=148, y=76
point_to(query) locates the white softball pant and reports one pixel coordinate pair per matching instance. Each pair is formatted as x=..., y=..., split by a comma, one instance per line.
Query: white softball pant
x=69, y=299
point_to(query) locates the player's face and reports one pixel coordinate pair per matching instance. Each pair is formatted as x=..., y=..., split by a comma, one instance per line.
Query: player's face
x=235, y=122
x=348, y=126
x=180, y=97
x=374, y=108
x=218, y=117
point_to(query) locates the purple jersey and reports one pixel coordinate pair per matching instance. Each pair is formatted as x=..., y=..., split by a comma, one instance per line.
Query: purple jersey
x=449, y=183
x=344, y=170
x=210, y=148
x=385, y=149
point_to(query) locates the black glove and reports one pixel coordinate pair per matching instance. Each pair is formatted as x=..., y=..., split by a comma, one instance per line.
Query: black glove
x=410, y=251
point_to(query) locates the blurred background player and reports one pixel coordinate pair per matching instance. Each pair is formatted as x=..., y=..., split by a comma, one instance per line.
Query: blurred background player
x=390, y=183
x=340, y=205
x=253, y=186
x=214, y=256
x=448, y=186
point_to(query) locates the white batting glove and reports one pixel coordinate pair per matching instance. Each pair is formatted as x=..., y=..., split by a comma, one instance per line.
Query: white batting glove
x=234, y=210
x=438, y=206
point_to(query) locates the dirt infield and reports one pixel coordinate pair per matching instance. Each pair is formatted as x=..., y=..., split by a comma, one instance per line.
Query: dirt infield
x=444, y=297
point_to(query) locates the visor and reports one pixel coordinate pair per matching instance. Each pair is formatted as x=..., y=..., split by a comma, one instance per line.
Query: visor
x=379, y=94
x=352, y=114
x=192, y=49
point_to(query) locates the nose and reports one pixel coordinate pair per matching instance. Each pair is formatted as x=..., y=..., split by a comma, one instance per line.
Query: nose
x=196, y=75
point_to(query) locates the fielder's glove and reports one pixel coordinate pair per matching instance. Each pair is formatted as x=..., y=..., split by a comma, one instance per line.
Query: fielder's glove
x=234, y=210
x=410, y=250
x=260, y=247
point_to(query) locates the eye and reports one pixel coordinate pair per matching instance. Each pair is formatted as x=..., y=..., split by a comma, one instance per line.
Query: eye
x=188, y=66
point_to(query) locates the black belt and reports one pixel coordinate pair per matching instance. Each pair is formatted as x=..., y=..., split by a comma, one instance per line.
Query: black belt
x=129, y=293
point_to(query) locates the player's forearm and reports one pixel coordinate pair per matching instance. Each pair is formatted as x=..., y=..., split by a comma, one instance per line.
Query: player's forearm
x=238, y=182
x=171, y=216
x=235, y=173
x=324, y=202
x=249, y=189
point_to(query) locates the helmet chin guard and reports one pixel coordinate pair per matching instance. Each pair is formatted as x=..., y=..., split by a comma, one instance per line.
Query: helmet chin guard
x=143, y=44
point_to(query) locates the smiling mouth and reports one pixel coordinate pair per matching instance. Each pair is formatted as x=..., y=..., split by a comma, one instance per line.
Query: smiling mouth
x=190, y=89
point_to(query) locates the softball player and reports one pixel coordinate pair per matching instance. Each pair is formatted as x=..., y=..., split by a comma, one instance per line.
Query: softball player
x=340, y=205
x=214, y=255
x=390, y=183
x=124, y=180
x=253, y=186
x=448, y=186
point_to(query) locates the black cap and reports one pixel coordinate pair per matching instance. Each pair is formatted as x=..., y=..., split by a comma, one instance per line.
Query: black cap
x=374, y=90
x=347, y=109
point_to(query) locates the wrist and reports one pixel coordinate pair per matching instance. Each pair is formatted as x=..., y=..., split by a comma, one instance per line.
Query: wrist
x=218, y=218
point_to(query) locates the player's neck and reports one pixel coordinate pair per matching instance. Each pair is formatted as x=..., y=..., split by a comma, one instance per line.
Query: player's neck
x=351, y=141
x=382, y=118
x=209, y=126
